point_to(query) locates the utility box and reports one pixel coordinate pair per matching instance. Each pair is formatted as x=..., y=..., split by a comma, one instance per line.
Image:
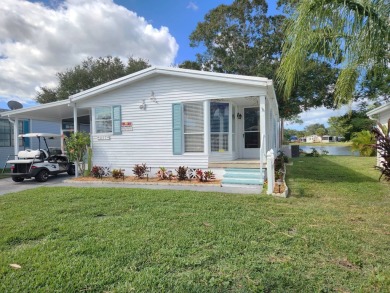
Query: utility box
x=294, y=151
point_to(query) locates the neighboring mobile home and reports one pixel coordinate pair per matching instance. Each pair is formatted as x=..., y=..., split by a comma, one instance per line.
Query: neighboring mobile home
x=329, y=138
x=170, y=117
x=313, y=138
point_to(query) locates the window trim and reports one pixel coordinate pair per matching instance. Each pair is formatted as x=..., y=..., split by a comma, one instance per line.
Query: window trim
x=229, y=133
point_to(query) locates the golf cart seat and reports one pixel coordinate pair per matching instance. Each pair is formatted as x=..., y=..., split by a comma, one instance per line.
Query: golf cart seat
x=43, y=155
x=29, y=154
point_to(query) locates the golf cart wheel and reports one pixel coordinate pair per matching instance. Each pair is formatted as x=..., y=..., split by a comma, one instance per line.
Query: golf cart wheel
x=71, y=170
x=42, y=176
x=17, y=179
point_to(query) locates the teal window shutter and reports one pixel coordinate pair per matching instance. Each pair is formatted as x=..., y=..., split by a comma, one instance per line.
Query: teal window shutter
x=116, y=120
x=26, y=129
x=177, y=129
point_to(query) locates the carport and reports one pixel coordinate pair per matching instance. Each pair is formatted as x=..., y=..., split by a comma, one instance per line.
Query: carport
x=64, y=112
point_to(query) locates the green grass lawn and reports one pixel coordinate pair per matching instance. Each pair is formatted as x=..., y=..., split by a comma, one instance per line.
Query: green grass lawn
x=333, y=235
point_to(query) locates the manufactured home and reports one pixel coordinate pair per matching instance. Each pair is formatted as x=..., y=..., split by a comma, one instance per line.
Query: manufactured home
x=313, y=138
x=171, y=117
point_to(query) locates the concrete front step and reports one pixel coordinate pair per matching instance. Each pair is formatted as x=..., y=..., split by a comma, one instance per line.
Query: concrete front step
x=240, y=175
x=243, y=177
x=235, y=165
x=242, y=181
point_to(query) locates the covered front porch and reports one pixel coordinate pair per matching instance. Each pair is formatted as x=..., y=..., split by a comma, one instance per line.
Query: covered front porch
x=239, y=131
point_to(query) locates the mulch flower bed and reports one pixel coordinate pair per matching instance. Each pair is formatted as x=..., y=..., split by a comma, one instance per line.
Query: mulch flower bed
x=155, y=180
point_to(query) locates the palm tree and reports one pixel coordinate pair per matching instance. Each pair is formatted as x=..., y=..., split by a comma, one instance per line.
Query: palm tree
x=364, y=142
x=350, y=34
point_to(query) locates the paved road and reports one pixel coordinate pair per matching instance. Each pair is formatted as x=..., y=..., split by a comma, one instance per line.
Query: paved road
x=8, y=186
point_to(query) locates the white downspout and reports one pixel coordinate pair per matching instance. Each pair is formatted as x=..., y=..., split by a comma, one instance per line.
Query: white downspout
x=206, y=128
x=16, y=133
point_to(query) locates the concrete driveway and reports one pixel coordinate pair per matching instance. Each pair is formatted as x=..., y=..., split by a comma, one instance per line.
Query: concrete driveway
x=8, y=186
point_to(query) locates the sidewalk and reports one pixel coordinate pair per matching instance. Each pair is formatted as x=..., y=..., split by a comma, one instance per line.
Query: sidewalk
x=8, y=186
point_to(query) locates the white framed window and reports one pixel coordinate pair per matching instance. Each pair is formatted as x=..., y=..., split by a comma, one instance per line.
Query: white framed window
x=7, y=133
x=103, y=120
x=108, y=119
x=193, y=121
x=219, y=126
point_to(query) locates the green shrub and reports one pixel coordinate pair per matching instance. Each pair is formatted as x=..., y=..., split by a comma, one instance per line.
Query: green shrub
x=118, y=173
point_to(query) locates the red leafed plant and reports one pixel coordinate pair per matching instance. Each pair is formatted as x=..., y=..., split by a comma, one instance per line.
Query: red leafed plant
x=383, y=147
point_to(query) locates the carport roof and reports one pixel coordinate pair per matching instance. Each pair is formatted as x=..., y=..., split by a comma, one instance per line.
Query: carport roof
x=54, y=111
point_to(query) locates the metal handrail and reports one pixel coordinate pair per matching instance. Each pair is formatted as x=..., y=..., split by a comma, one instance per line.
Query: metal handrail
x=5, y=165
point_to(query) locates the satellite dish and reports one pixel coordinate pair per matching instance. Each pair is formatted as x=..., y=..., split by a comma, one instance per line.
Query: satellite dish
x=14, y=105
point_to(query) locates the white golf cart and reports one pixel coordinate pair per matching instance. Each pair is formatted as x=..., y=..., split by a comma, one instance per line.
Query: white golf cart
x=39, y=163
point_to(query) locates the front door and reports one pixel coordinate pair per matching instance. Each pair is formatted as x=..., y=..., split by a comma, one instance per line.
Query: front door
x=251, y=133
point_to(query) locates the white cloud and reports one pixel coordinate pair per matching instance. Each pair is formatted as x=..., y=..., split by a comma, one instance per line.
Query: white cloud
x=37, y=41
x=193, y=6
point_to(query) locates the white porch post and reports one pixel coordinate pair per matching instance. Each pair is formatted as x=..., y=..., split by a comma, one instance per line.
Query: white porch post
x=75, y=131
x=75, y=118
x=206, y=126
x=16, y=134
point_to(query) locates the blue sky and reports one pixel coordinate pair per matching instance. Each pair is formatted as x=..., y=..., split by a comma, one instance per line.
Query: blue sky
x=40, y=38
x=180, y=16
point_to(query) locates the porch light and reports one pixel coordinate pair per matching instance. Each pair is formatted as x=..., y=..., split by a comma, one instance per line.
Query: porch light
x=239, y=116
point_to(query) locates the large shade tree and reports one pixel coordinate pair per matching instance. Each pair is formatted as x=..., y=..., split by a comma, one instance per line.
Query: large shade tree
x=242, y=38
x=90, y=73
x=350, y=123
x=351, y=34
